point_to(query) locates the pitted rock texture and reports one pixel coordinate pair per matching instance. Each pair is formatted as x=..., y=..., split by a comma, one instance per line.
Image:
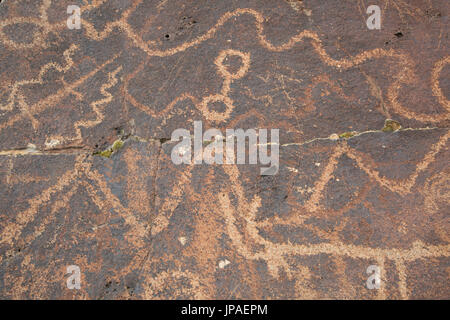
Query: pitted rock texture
x=86, y=117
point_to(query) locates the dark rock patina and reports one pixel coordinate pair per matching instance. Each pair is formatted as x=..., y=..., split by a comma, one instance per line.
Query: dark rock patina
x=87, y=177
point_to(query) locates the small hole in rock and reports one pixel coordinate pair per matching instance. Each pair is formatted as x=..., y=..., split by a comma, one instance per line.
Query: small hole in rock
x=398, y=34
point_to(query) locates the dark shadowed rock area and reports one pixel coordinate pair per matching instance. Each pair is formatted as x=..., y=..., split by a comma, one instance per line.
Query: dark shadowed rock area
x=86, y=176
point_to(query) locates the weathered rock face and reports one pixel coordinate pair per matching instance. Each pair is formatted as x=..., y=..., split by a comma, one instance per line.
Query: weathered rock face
x=86, y=171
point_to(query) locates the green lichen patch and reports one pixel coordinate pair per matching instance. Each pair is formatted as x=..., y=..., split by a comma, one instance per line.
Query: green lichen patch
x=391, y=126
x=109, y=152
x=117, y=145
x=347, y=135
x=207, y=142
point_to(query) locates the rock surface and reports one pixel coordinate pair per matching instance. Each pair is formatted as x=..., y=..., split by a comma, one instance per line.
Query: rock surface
x=87, y=179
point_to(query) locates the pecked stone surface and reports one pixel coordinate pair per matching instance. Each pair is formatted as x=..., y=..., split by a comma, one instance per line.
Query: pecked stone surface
x=86, y=171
